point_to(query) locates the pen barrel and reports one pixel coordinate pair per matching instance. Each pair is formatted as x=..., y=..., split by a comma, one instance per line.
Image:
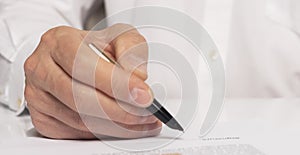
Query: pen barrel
x=159, y=111
x=158, y=114
x=156, y=108
x=163, y=115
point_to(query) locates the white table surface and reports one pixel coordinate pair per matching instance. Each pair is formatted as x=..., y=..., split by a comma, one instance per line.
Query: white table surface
x=271, y=125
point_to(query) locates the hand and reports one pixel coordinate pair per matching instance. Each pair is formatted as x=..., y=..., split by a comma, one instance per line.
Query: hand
x=71, y=92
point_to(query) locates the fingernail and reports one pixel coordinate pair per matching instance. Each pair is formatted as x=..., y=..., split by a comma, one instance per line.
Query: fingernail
x=141, y=96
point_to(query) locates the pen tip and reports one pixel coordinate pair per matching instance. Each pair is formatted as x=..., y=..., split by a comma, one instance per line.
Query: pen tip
x=174, y=125
x=181, y=129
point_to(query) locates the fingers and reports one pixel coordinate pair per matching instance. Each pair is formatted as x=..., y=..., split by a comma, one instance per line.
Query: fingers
x=60, y=84
x=50, y=127
x=88, y=101
x=131, y=51
x=85, y=66
x=123, y=130
x=124, y=43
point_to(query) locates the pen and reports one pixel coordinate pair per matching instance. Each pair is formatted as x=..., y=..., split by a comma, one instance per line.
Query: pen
x=155, y=108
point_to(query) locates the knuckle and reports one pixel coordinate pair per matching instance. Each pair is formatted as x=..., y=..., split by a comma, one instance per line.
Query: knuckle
x=64, y=33
x=36, y=72
x=67, y=43
x=29, y=95
x=51, y=37
x=30, y=65
x=58, y=30
x=143, y=75
x=61, y=28
x=137, y=37
x=48, y=37
x=39, y=125
x=42, y=127
x=36, y=123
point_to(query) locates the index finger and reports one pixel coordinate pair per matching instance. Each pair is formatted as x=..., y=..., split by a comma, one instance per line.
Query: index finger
x=84, y=65
x=131, y=51
x=125, y=45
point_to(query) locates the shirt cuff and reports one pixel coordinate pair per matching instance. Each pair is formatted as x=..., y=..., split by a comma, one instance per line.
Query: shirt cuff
x=17, y=76
x=7, y=49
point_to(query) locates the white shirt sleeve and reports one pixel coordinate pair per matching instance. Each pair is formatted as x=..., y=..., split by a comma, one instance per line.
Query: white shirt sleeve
x=285, y=12
x=21, y=25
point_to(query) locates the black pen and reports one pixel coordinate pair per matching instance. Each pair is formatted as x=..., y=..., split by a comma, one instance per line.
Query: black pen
x=155, y=108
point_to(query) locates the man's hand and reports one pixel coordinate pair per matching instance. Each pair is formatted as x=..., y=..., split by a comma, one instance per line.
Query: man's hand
x=63, y=63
